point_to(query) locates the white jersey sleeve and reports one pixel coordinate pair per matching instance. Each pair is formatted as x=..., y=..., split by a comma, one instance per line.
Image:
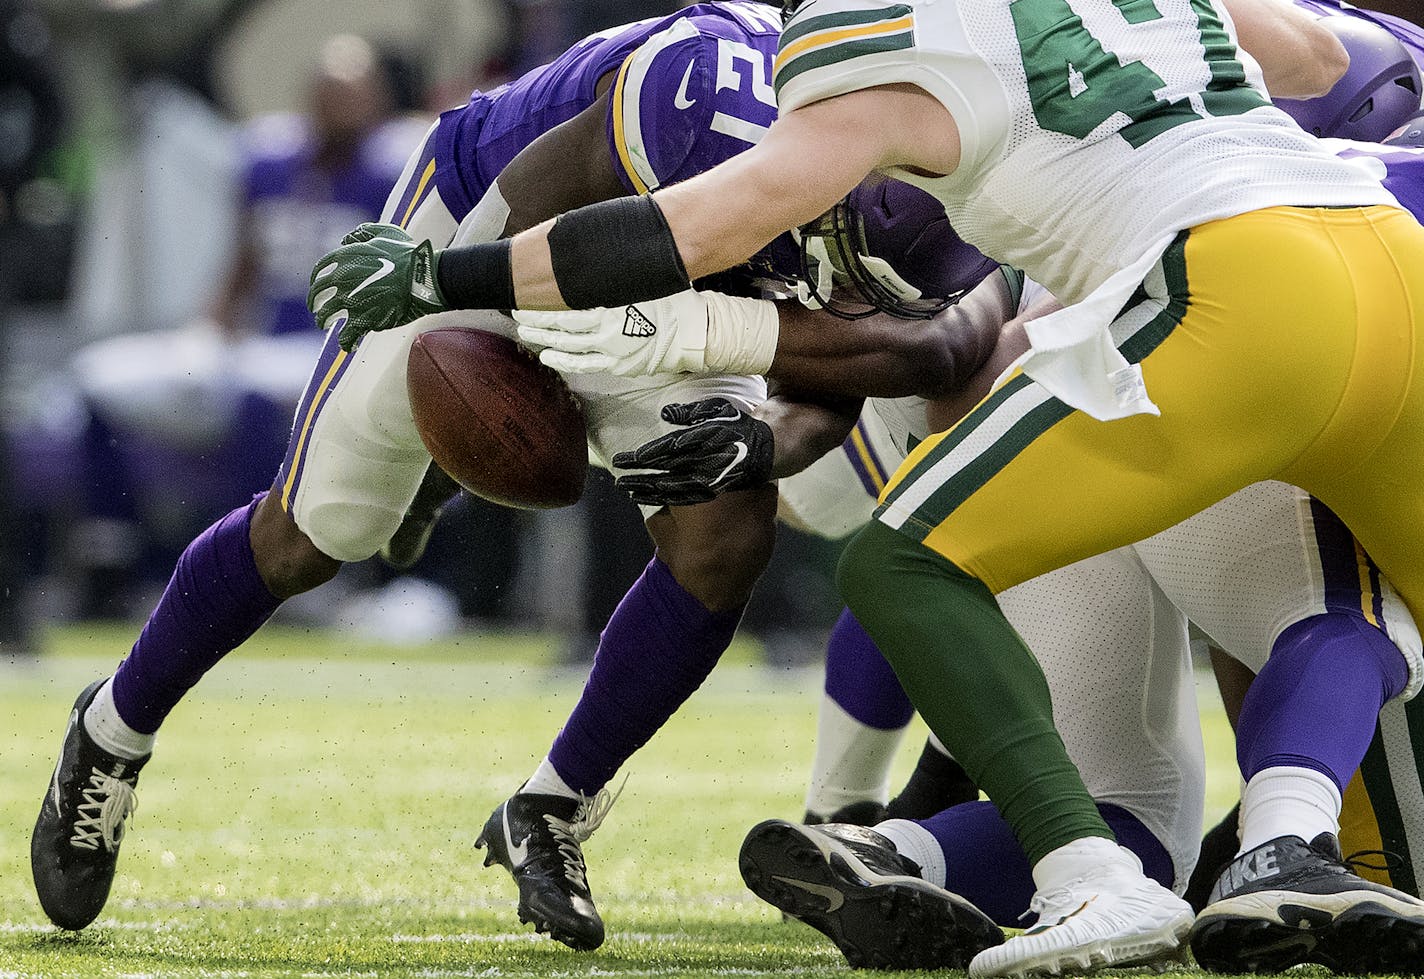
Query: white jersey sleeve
x=831, y=47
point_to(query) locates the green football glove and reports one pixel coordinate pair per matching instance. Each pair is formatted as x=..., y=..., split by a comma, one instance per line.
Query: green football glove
x=377, y=280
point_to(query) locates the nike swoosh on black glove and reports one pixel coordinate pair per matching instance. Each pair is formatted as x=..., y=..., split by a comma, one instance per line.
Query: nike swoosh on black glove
x=722, y=448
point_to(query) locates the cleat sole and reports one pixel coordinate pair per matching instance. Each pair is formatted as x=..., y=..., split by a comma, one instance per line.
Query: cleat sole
x=1367, y=937
x=1157, y=950
x=879, y=923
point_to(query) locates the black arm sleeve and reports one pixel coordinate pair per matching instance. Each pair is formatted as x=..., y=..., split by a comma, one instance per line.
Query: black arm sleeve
x=614, y=253
x=477, y=276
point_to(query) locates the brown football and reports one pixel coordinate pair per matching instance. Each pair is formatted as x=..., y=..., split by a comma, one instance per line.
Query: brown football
x=502, y=424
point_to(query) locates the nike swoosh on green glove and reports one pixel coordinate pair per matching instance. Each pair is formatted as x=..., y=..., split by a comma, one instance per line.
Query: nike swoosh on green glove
x=378, y=279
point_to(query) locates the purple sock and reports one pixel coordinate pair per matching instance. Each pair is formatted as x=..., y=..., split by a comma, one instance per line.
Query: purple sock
x=984, y=862
x=1333, y=666
x=658, y=647
x=214, y=601
x=859, y=679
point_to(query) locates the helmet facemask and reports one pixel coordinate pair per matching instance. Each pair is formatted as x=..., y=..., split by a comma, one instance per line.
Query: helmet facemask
x=886, y=248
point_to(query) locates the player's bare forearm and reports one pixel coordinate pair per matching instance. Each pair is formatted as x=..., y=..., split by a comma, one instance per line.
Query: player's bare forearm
x=1299, y=57
x=720, y=218
x=1011, y=343
x=806, y=427
x=803, y=166
x=886, y=357
x=567, y=167
x=716, y=219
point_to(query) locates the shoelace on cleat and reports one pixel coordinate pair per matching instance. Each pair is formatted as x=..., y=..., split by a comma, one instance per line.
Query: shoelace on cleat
x=570, y=833
x=108, y=801
x=1389, y=860
x=1057, y=903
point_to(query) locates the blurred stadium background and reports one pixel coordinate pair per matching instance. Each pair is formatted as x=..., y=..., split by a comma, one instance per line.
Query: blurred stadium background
x=137, y=404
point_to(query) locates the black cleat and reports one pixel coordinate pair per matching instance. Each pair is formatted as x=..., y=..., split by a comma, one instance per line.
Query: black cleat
x=937, y=783
x=407, y=545
x=850, y=884
x=75, y=845
x=1218, y=850
x=547, y=863
x=1286, y=902
x=866, y=813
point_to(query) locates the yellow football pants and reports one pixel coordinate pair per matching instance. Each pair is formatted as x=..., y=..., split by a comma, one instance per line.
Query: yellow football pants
x=1285, y=343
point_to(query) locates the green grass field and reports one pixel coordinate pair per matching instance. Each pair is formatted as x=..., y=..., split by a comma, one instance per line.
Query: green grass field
x=312, y=806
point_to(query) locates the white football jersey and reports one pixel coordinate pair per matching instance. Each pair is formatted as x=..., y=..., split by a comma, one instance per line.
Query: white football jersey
x=1092, y=130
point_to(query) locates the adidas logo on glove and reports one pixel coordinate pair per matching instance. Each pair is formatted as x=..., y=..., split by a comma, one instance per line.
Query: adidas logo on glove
x=635, y=324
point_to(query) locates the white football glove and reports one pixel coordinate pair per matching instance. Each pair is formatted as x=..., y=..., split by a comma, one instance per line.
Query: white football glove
x=665, y=336
x=690, y=332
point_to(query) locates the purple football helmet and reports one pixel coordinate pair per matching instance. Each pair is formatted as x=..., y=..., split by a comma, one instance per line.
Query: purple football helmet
x=1411, y=134
x=1380, y=90
x=1410, y=35
x=891, y=245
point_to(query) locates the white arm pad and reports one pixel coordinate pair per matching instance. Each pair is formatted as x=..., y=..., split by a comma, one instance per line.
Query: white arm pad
x=741, y=334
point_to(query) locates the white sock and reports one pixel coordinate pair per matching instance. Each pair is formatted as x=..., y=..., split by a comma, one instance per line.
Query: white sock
x=1288, y=801
x=1078, y=859
x=914, y=841
x=547, y=781
x=108, y=729
x=852, y=761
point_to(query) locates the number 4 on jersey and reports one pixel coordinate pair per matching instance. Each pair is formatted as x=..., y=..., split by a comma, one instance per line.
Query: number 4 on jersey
x=1076, y=84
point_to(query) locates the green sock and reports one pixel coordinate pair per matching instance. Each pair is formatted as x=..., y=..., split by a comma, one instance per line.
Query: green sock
x=974, y=682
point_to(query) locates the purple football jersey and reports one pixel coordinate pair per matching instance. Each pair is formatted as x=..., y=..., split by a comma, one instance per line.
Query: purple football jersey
x=301, y=211
x=692, y=89
x=1399, y=168
x=694, y=94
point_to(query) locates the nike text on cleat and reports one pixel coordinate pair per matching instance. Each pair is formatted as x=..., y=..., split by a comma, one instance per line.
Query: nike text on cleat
x=1288, y=902
x=1112, y=915
x=537, y=839
x=850, y=884
x=75, y=845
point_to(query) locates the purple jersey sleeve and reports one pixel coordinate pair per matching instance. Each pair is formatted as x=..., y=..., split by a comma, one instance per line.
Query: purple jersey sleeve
x=472, y=144
x=690, y=97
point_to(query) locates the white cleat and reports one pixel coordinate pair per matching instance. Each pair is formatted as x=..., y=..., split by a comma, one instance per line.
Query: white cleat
x=1110, y=915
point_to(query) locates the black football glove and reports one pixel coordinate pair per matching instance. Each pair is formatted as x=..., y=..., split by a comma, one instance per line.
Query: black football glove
x=723, y=448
